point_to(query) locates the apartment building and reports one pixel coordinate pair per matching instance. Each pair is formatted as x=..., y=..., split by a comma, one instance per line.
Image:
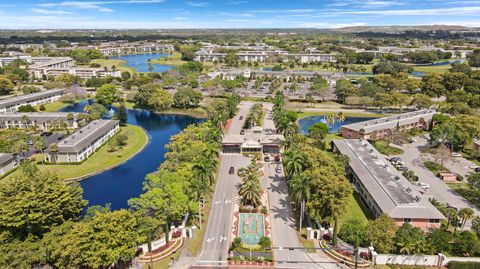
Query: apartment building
x=82, y=72
x=382, y=127
x=383, y=189
x=34, y=99
x=84, y=142
x=38, y=62
x=43, y=121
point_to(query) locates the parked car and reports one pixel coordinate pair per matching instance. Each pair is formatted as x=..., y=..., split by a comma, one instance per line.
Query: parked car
x=395, y=159
x=266, y=159
x=277, y=158
x=402, y=168
x=278, y=170
x=456, y=155
x=46, y=134
x=231, y=170
x=60, y=137
x=241, y=118
x=398, y=163
x=423, y=185
x=477, y=170
x=242, y=132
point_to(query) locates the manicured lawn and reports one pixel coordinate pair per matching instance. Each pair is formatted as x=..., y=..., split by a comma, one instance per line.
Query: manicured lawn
x=434, y=167
x=432, y=69
x=128, y=105
x=175, y=59
x=329, y=138
x=355, y=210
x=346, y=113
x=385, y=149
x=103, y=159
x=53, y=107
x=464, y=190
x=119, y=64
x=198, y=112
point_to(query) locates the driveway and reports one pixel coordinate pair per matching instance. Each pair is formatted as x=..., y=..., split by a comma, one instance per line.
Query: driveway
x=414, y=159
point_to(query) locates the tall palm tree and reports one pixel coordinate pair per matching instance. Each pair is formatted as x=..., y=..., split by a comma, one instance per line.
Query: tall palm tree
x=331, y=119
x=465, y=214
x=300, y=193
x=294, y=162
x=340, y=117
x=199, y=188
x=203, y=170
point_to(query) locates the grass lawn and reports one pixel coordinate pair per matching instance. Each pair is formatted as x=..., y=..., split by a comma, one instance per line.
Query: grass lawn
x=128, y=105
x=464, y=190
x=119, y=64
x=165, y=263
x=432, y=69
x=434, y=167
x=355, y=210
x=53, y=107
x=329, y=138
x=175, y=59
x=385, y=149
x=198, y=112
x=306, y=243
x=346, y=113
x=103, y=159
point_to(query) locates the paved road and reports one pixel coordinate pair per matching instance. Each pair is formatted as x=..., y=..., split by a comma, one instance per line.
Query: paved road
x=284, y=233
x=414, y=159
x=217, y=236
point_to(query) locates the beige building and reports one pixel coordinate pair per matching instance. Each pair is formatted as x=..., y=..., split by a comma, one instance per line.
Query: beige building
x=34, y=99
x=84, y=142
x=43, y=121
x=7, y=163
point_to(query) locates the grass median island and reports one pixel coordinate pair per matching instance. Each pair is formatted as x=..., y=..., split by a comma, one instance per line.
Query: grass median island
x=103, y=159
x=386, y=149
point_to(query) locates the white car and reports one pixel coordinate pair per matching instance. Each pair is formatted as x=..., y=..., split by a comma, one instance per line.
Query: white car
x=423, y=185
x=456, y=155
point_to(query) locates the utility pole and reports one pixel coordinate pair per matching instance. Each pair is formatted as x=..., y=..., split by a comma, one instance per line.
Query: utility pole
x=355, y=252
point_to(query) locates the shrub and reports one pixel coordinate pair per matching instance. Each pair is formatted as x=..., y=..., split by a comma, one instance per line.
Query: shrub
x=42, y=108
x=365, y=255
x=237, y=243
x=264, y=210
x=265, y=242
x=463, y=265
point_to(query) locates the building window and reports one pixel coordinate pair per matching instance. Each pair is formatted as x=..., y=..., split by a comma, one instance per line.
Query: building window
x=433, y=221
x=407, y=220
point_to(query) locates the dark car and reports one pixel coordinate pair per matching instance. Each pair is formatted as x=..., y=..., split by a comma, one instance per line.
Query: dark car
x=231, y=170
x=46, y=134
x=402, y=168
x=60, y=137
x=242, y=132
x=477, y=170
x=277, y=158
x=241, y=118
x=266, y=159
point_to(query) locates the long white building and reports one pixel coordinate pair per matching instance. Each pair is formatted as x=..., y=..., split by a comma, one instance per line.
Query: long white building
x=84, y=142
x=43, y=121
x=34, y=99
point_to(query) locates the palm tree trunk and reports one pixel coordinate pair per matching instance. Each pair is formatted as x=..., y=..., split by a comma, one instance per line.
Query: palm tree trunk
x=302, y=208
x=200, y=213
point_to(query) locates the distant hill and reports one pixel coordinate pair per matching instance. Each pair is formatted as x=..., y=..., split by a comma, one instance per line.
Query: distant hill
x=399, y=28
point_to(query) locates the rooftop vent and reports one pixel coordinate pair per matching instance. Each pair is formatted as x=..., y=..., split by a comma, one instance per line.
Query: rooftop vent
x=418, y=198
x=80, y=131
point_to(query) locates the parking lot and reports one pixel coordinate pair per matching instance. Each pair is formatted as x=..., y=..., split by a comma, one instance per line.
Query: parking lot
x=414, y=159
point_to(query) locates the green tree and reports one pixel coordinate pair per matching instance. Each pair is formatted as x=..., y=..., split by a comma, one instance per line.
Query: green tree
x=186, y=97
x=32, y=203
x=410, y=240
x=432, y=85
x=421, y=101
x=465, y=214
x=121, y=114
x=106, y=94
x=96, y=111
x=26, y=109
x=381, y=234
x=161, y=100
x=6, y=86
x=265, y=242
x=354, y=232
x=294, y=162
x=300, y=193
x=318, y=132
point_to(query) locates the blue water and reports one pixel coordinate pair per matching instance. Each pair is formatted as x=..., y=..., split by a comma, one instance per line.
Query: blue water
x=309, y=121
x=140, y=61
x=119, y=184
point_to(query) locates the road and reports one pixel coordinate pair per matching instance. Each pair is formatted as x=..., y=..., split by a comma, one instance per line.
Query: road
x=216, y=241
x=284, y=233
x=414, y=159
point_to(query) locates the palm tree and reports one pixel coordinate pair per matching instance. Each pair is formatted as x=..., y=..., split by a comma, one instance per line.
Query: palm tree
x=199, y=187
x=340, y=117
x=331, y=119
x=465, y=214
x=294, y=162
x=203, y=170
x=251, y=192
x=300, y=193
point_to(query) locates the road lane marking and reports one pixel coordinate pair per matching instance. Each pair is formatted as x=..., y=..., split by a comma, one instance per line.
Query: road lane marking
x=210, y=239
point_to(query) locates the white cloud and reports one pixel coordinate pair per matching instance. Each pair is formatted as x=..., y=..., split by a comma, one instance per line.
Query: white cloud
x=197, y=4
x=96, y=5
x=47, y=11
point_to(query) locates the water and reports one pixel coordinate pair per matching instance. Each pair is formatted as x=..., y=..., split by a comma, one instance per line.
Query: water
x=119, y=184
x=140, y=61
x=309, y=121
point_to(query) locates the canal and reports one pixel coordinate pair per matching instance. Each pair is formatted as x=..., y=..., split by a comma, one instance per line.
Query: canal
x=119, y=184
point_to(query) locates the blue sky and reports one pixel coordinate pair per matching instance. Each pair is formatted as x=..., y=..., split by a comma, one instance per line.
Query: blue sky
x=234, y=13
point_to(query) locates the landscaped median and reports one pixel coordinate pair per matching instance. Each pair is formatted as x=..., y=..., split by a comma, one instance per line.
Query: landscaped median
x=103, y=159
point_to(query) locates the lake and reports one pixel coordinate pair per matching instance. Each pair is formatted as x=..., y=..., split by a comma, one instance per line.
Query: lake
x=123, y=182
x=309, y=121
x=140, y=61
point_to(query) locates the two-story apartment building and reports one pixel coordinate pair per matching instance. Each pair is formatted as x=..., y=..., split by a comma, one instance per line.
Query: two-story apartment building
x=8, y=162
x=43, y=121
x=383, y=189
x=82, y=144
x=34, y=99
x=382, y=127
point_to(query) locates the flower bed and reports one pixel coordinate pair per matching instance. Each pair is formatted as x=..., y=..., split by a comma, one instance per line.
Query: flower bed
x=344, y=256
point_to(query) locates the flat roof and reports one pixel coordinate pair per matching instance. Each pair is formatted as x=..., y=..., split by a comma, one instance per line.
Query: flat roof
x=38, y=116
x=86, y=135
x=392, y=192
x=391, y=121
x=29, y=97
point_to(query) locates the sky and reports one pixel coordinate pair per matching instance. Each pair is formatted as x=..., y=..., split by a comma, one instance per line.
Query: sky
x=134, y=14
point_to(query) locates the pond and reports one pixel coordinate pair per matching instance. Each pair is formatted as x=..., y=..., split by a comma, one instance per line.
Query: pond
x=140, y=61
x=123, y=182
x=309, y=121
